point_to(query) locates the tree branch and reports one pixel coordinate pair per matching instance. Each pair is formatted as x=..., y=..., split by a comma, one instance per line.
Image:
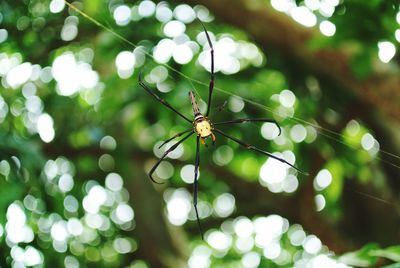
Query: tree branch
x=160, y=244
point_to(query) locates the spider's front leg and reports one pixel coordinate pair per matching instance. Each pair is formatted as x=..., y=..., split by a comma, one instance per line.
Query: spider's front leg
x=211, y=85
x=161, y=100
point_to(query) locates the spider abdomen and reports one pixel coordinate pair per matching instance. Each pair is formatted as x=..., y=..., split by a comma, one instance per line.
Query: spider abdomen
x=203, y=128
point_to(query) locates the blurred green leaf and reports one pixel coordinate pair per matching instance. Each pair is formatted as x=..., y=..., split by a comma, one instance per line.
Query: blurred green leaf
x=392, y=253
x=395, y=265
x=361, y=257
x=361, y=63
x=9, y=192
x=334, y=190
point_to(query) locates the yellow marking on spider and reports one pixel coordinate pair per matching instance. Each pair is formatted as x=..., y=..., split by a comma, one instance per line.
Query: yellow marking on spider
x=203, y=128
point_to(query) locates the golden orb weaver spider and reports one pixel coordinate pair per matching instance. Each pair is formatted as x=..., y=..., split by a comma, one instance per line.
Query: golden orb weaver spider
x=205, y=129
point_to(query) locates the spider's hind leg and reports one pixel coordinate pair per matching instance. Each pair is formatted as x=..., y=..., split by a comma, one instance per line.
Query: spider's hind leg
x=195, y=183
x=253, y=148
x=175, y=136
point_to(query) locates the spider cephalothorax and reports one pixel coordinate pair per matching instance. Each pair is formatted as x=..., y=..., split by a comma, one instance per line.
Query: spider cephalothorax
x=204, y=129
x=201, y=124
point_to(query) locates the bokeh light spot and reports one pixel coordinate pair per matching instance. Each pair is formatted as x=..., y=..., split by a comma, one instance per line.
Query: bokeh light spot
x=223, y=155
x=236, y=104
x=19, y=74
x=114, y=182
x=319, y=202
x=184, y=13
x=327, y=28
x=312, y=244
x=386, y=51
x=3, y=35
x=56, y=6
x=219, y=240
x=66, y=183
x=287, y=98
x=163, y=13
x=243, y=227
x=298, y=133
x=182, y=54
x=146, y=8
x=108, y=143
x=124, y=212
x=224, y=205
x=122, y=15
x=322, y=180
x=174, y=28
x=178, y=207
x=269, y=131
x=45, y=127
x=367, y=141
x=187, y=173
x=303, y=16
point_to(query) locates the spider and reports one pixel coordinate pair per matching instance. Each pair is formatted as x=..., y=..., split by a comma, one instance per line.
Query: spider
x=205, y=129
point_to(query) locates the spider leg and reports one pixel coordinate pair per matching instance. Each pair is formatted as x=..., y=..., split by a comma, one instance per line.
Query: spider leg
x=253, y=148
x=203, y=142
x=244, y=120
x=195, y=183
x=173, y=147
x=213, y=138
x=162, y=101
x=175, y=136
x=211, y=86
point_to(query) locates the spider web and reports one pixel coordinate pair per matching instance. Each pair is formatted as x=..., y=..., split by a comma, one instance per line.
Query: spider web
x=330, y=134
x=323, y=131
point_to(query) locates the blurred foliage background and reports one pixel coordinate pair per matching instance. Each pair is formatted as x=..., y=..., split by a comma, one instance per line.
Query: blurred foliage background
x=78, y=135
